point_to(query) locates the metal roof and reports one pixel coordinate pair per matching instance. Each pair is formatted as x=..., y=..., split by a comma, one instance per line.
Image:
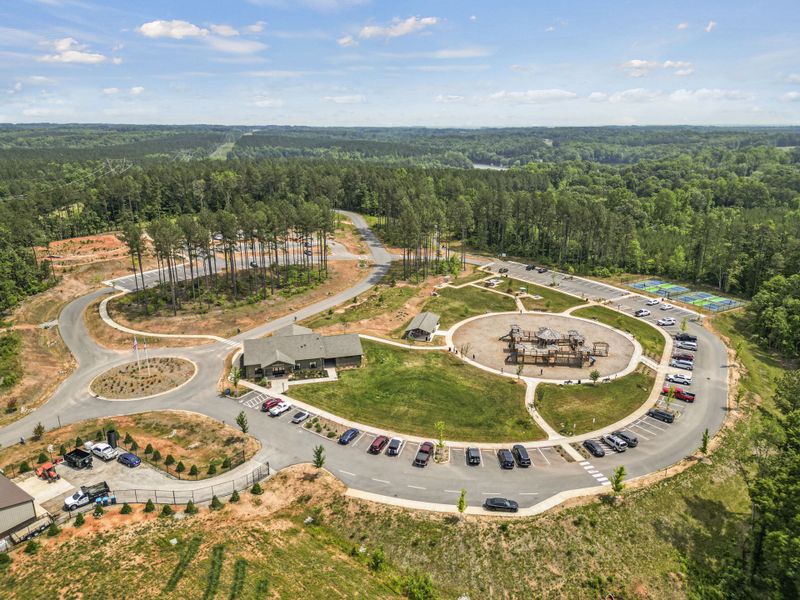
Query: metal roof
x=11, y=494
x=424, y=321
x=293, y=348
x=292, y=330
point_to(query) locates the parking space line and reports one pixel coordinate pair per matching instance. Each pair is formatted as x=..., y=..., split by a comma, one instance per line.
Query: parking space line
x=453, y=491
x=584, y=462
x=490, y=493
x=543, y=456
x=347, y=472
x=529, y=493
x=416, y=487
x=380, y=480
x=653, y=425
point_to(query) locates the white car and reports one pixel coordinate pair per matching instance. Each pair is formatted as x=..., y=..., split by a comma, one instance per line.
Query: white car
x=687, y=346
x=653, y=301
x=104, y=451
x=666, y=321
x=679, y=378
x=279, y=409
x=300, y=416
x=666, y=306
x=642, y=312
x=682, y=364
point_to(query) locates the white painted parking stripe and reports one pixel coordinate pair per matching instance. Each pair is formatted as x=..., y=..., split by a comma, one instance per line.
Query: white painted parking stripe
x=529, y=493
x=490, y=493
x=588, y=467
x=654, y=425
x=592, y=471
x=638, y=426
x=347, y=472
x=598, y=476
x=380, y=480
x=585, y=462
x=543, y=456
x=453, y=491
x=417, y=487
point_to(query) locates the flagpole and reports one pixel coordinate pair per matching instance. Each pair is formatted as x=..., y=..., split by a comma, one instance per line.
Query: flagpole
x=146, y=360
x=136, y=347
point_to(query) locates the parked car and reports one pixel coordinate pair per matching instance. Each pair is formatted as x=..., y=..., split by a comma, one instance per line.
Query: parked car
x=618, y=444
x=348, y=436
x=666, y=306
x=85, y=495
x=393, y=449
x=423, y=454
x=661, y=415
x=627, y=437
x=642, y=312
x=500, y=505
x=269, y=403
x=683, y=356
x=473, y=456
x=377, y=445
x=594, y=448
x=679, y=393
x=505, y=458
x=666, y=322
x=530, y=268
x=104, y=451
x=687, y=346
x=679, y=378
x=682, y=364
x=300, y=416
x=521, y=455
x=502, y=270
x=653, y=301
x=542, y=270
x=129, y=460
x=279, y=409
x=685, y=337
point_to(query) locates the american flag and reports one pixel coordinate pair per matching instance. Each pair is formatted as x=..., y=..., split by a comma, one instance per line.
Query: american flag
x=135, y=343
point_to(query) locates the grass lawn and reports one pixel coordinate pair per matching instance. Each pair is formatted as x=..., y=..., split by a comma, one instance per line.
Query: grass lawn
x=606, y=403
x=410, y=390
x=10, y=360
x=471, y=274
x=648, y=336
x=552, y=300
x=454, y=305
x=378, y=300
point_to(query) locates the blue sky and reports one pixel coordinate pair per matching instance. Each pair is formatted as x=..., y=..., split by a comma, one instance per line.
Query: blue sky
x=362, y=62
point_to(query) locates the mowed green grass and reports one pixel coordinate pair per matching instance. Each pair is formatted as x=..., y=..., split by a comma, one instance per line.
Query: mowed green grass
x=590, y=407
x=408, y=391
x=377, y=301
x=649, y=337
x=552, y=300
x=454, y=305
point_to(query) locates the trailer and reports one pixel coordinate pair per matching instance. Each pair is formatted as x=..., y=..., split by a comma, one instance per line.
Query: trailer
x=79, y=459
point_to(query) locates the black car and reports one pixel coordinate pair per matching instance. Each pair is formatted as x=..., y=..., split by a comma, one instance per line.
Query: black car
x=594, y=448
x=500, y=504
x=473, y=456
x=521, y=456
x=685, y=337
x=506, y=458
x=628, y=438
x=502, y=270
x=530, y=268
x=661, y=415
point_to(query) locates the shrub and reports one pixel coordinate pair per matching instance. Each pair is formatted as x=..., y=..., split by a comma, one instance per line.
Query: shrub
x=128, y=439
x=148, y=449
x=38, y=431
x=79, y=520
x=98, y=511
x=24, y=467
x=193, y=471
x=5, y=560
x=149, y=507
x=32, y=547
x=134, y=446
x=216, y=503
x=156, y=456
x=180, y=467
x=377, y=560
x=212, y=469
x=53, y=530
x=226, y=463
x=256, y=489
x=191, y=509
x=170, y=460
x=126, y=509
x=78, y=442
x=43, y=458
x=62, y=450
x=419, y=587
x=234, y=496
x=167, y=511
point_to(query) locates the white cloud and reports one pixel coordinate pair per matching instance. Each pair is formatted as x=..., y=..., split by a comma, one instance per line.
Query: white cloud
x=597, y=97
x=321, y=5
x=681, y=67
x=347, y=41
x=268, y=102
x=791, y=97
x=639, y=68
x=684, y=95
x=460, y=53
x=235, y=46
x=110, y=91
x=535, y=96
x=175, y=29
x=223, y=30
x=397, y=27
x=473, y=18
x=794, y=78
x=68, y=50
x=16, y=88
x=448, y=98
x=256, y=27
x=710, y=27
x=136, y=90
x=116, y=60
x=276, y=74
x=40, y=80
x=549, y=29
x=682, y=26
x=635, y=95
x=346, y=99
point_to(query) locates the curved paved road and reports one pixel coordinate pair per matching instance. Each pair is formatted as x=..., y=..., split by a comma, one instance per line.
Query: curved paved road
x=391, y=478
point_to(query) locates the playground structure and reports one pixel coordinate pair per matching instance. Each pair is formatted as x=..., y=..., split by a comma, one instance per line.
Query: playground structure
x=547, y=347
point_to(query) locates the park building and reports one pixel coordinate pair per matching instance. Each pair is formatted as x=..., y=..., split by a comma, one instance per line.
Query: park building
x=296, y=348
x=422, y=327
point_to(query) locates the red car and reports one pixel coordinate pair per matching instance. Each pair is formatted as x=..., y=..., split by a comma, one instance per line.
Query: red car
x=679, y=393
x=269, y=404
x=679, y=356
x=378, y=444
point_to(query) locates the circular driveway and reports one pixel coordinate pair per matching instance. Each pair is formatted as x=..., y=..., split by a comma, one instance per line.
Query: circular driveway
x=482, y=338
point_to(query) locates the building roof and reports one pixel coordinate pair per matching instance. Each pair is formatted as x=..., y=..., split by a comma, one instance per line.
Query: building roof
x=292, y=330
x=293, y=348
x=424, y=321
x=11, y=494
x=547, y=334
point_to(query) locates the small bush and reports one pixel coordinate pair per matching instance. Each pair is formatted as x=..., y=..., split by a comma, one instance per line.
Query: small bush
x=62, y=450
x=32, y=547
x=216, y=503
x=170, y=460
x=256, y=489
x=5, y=560
x=180, y=467
x=98, y=511
x=191, y=508
x=79, y=520
x=234, y=496
x=226, y=463
x=148, y=449
x=128, y=439
x=193, y=471
x=42, y=458
x=126, y=509
x=24, y=467
x=167, y=511
x=156, y=456
x=78, y=442
x=134, y=446
x=149, y=507
x=53, y=530
x=212, y=469
x=331, y=434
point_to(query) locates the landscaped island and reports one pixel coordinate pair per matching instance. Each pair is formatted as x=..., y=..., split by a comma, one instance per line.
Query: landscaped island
x=143, y=378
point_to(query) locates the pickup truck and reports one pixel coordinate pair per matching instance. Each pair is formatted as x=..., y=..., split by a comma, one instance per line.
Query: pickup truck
x=679, y=393
x=79, y=459
x=85, y=495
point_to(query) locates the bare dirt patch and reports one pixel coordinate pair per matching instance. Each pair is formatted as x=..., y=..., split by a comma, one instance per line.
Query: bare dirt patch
x=82, y=250
x=482, y=337
x=349, y=237
x=143, y=378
